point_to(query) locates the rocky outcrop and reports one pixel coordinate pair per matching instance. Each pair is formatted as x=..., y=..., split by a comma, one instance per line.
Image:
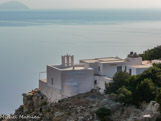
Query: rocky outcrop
x=82, y=107
x=148, y=113
x=32, y=102
x=77, y=108
x=151, y=111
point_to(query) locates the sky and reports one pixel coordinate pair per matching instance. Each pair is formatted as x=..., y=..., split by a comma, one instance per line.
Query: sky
x=72, y=4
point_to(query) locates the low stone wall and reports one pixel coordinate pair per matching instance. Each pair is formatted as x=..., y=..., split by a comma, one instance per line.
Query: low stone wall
x=53, y=94
x=42, y=86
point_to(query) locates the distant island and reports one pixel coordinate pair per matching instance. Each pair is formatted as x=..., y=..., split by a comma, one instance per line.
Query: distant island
x=13, y=5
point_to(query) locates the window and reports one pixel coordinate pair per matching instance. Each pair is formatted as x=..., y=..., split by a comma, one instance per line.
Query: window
x=52, y=81
x=99, y=68
x=119, y=69
x=125, y=68
x=130, y=71
x=95, y=82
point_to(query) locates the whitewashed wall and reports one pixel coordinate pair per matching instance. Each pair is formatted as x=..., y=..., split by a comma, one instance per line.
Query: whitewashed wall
x=77, y=81
x=140, y=70
x=56, y=75
x=109, y=69
x=133, y=61
x=101, y=80
x=133, y=70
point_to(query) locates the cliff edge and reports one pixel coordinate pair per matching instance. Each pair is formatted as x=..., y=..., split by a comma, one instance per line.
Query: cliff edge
x=83, y=107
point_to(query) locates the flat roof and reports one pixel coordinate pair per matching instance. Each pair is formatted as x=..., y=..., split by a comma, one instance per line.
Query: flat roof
x=106, y=59
x=72, y=68
x=151, y=62
x=141, y=66
x=89, y=60
x=114, y=61
x=146, y=62
x=65, y=68
x=156, y=61
x=109, y=59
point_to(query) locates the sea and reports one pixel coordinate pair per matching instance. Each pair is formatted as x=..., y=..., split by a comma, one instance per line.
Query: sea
x=30, y=40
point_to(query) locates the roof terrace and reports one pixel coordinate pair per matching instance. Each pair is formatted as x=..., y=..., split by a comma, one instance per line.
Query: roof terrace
x=106, y=59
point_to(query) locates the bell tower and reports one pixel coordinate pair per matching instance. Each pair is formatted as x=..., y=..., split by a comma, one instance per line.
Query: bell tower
x=67, y=60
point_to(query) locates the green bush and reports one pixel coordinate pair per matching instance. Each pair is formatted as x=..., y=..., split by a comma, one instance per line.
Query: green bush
x=158, y=119
x=113, y=96
x=158, y=96
x=124, y=95
x=146, y=90
x=103, y=114
x=137, y=89
x=44, y=103
x=152, y=54
x=140, y=88
x=119, y=80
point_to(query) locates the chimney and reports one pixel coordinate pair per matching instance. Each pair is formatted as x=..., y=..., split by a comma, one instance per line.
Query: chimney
x=135, y=54
x=131, y=53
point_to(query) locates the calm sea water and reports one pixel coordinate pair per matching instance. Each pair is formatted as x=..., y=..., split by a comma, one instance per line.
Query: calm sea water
x=29, y=40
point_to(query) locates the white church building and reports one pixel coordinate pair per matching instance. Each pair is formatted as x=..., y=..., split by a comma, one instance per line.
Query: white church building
x=68, y=79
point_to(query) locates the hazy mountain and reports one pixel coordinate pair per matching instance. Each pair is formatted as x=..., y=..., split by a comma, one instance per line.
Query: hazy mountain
x=13, y=5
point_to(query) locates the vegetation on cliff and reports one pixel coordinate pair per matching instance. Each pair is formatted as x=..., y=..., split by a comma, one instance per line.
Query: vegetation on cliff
x=152, y=54
x=103, y=114
x=137, y=89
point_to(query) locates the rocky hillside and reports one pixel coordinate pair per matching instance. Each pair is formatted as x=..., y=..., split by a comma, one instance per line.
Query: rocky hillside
x=83, y=107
